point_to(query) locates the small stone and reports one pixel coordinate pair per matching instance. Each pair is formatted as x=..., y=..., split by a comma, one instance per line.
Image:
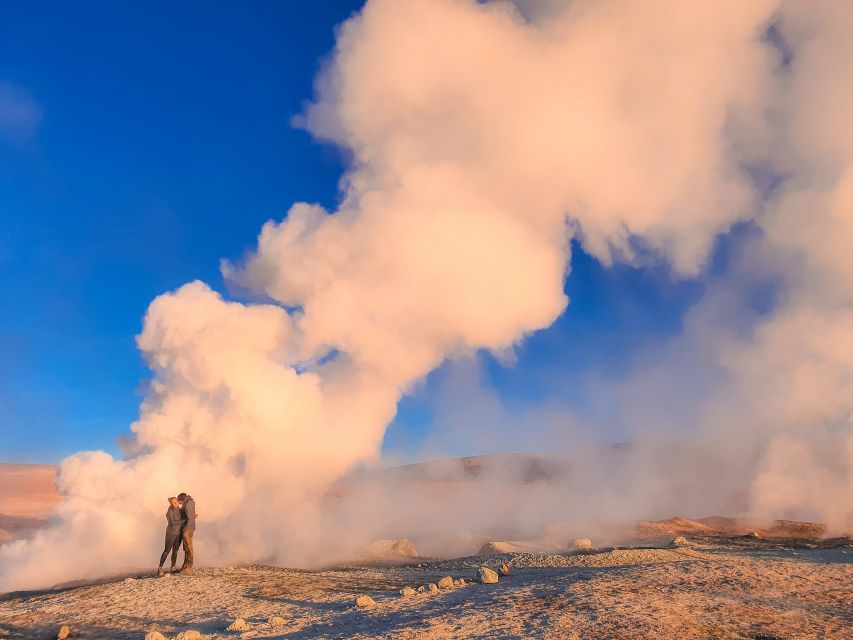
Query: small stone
x=365, y=602
x=191, y=634
x=432, y=587
x=445, y=583
x=679, y=541
x=407, y=592
x=154, y=635
x=583, y=544
x=754, y=535
x=64, y=632
x=459, y=583
x=276, y=621
x=421, y=589
x=504, y=570
x=238, y=625
x=487, y=576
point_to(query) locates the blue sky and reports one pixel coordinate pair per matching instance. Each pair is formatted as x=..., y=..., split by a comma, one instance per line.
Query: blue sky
x=140, y=143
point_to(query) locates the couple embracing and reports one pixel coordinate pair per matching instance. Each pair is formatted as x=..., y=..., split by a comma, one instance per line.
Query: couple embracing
x=180, y=526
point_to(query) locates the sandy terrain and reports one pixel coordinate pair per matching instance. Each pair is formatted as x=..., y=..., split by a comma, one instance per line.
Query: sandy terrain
x=724, y=589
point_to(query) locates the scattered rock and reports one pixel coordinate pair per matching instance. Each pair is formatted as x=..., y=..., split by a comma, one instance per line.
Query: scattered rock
x=191, y=634
x=248, y=634
x=421, y=589
x=154, y=635
x=459, y=583
x=487, y=576
x=128, y=580
x=64, y=632
x=583, y=544
x=445, y=583
x=679, y=541
x=504, y=570
x=238, y=625
x=365, y=602
x=432, y=587
x=754, y=535
x=407, y=592
x=276, y=621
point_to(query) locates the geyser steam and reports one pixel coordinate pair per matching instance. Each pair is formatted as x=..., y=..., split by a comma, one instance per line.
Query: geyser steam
x=484, y=137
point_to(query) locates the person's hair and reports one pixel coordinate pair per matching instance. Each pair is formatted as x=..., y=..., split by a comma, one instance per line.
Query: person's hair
x=170, y=499
x=181, y=497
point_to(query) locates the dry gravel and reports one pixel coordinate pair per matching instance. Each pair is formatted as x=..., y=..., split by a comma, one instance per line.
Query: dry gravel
x=710, y=591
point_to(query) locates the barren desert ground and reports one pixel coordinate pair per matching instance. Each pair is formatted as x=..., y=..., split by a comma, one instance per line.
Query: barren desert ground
x=726, y=579
x=756, y=590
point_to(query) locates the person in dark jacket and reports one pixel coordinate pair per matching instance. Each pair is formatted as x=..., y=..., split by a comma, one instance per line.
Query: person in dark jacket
x=188, y=513
x=174, y=525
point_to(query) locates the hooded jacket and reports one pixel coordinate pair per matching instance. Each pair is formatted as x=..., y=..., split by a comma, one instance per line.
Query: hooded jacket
x=188, y=511
x=174, y=520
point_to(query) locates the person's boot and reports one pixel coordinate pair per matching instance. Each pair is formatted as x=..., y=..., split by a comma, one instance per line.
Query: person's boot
x=173, y=569
x=188, y=569
x=159, y=571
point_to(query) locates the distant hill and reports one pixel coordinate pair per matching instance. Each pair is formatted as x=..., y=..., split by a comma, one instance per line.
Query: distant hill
x=521, y=467
x=27, y=496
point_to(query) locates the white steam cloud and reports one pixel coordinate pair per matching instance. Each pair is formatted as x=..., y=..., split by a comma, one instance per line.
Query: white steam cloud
x=484, y=137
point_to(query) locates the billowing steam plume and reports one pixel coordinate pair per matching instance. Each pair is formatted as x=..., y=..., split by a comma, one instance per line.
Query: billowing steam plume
x=484, y=137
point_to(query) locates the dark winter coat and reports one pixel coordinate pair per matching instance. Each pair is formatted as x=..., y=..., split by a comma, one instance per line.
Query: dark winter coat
x=188, y=511
x=174, y=520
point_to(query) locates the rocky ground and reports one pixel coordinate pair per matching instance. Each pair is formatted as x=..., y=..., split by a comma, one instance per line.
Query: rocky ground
x=730, y=578
x=710, y=588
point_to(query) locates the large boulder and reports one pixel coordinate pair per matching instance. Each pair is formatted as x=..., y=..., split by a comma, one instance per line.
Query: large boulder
x=391, y=550
x=154, y=635
x=496, y=547
x=445, y=583
x=64, y=632
x=190, y=634
x=487, y=576
x=407, y=592
x=679, y=541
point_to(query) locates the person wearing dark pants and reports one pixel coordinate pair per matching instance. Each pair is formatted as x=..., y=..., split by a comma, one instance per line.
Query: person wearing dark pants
x=188, y=514
x=174, y=523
